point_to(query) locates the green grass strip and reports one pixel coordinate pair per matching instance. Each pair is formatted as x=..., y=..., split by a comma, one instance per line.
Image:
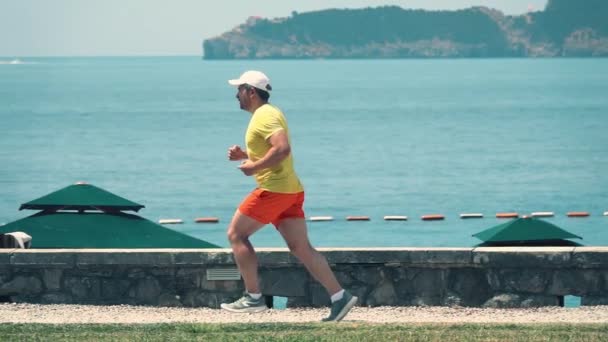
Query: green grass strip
x=345, y=331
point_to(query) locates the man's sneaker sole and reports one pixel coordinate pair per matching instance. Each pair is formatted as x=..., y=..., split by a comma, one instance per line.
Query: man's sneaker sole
x=346, y=308
x=252, y=309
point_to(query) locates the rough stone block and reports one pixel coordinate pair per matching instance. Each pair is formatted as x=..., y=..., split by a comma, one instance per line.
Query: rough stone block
x=221, y=285
x=594, y=300
x=136, y=273
x=509, y=300
x=298, y=302
x=83, y=289
x=103, y=271
x=382, y=295
x=591, y=257
x=344, y=275
x=114, y=290
x=368, y=275
x=422, y=282
x=190, y=278
x=21, y=285
x=575, y=282
x=426, y=300
x=162, y=271
x=146, y=291
x=467, y=287
x=169, y=300
x=197, y=298
x=52, y=279
x=55, y=298
x=6, y=274
x=319, y=296
x=512, y=280
x=284, y=282
x=452, y=299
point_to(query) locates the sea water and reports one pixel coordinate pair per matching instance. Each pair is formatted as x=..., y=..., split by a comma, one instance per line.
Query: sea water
x=369, y=137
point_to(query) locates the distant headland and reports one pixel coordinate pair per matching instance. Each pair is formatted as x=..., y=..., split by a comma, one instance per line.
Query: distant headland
x=565, y=28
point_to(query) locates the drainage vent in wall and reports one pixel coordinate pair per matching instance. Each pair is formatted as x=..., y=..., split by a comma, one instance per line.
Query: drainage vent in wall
x=223, y=274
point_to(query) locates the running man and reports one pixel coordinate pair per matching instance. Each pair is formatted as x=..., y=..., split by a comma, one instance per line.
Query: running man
x=278, y=199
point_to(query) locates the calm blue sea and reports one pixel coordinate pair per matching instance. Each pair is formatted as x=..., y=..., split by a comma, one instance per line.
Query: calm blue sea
x=370, y=137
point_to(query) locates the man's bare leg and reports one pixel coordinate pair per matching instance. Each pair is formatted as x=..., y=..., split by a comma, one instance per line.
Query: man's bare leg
x=295, y=233
x=240, y=229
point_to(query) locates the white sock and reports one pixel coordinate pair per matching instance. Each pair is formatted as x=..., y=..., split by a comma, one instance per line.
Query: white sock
x=337, y=296
x=255, y=296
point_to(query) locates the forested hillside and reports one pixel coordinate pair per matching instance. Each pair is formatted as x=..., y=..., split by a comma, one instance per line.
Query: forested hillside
x=564, y=28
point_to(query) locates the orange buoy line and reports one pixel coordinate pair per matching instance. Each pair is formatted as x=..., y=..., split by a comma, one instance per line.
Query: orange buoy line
x=170, y=221
x=578, y=214
x=429, y=217
x=206, y=220
x=357, y=218
x=507, y=215
x=432, y=217
x=395, y=218
x=471, y=215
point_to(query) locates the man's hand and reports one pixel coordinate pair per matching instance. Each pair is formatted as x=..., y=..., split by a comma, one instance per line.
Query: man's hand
x=236, y=153
x=248, y=167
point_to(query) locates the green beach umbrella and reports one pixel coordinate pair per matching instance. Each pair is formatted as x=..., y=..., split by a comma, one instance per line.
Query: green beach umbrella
x=81, y=196
x=99, y=230
x=526, y=231
x=85, y=216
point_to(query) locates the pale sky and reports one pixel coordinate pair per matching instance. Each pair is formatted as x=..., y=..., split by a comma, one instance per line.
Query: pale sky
x=165, y=27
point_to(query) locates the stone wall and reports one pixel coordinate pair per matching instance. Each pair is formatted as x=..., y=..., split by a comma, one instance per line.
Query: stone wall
x=483, y=277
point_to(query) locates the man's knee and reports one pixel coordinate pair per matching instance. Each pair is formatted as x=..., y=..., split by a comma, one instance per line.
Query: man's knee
x=300, y=248
x=235, y=236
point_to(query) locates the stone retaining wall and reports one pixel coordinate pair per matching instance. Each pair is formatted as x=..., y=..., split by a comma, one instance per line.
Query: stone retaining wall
x=484, y=277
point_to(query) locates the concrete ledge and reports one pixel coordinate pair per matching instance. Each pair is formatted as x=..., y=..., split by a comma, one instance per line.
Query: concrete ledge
x=487, y=256
x=123, y=257
x=556, y=257
x=43, y=257
x=484, y=276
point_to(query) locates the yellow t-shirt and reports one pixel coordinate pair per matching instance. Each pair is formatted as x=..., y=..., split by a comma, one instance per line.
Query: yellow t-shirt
x=282, y=177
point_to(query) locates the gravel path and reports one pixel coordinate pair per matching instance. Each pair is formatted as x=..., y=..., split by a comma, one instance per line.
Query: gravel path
x=32, y=313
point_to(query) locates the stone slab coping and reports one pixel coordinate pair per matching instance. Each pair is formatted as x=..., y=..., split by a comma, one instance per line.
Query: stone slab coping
x=321, y=249
x=543, y=257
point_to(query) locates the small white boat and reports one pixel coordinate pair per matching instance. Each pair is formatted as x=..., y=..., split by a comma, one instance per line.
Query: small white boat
x=13, y=62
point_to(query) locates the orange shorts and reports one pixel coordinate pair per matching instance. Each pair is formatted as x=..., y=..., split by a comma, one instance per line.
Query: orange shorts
x=271, y=207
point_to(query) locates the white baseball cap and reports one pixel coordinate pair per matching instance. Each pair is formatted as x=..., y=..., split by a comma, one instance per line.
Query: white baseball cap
x=254, y=78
